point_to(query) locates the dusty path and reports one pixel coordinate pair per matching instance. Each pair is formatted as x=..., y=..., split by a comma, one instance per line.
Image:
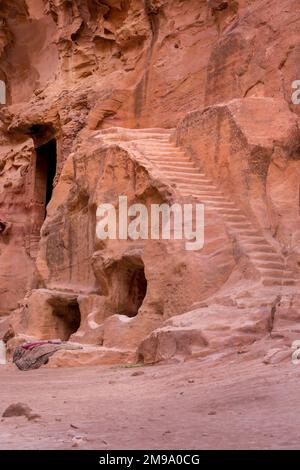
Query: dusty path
x=237, y=404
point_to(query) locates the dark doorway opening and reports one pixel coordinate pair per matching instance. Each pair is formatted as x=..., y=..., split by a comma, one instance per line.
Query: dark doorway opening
x=132, y=287
x=66, y=319
x=137, y=289
x=46, y=162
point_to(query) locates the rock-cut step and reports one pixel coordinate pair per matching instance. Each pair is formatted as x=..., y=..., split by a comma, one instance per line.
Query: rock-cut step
x=186, y=177
x=135, y=132
x=269, y=265
x=269, y=281
x=183, y=169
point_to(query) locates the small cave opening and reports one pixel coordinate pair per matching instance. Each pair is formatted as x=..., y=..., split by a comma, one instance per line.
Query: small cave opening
x=45, y=171
x=132, y=287
x=66, y=318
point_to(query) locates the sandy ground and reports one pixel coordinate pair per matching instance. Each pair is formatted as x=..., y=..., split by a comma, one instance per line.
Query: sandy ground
x=234, y=404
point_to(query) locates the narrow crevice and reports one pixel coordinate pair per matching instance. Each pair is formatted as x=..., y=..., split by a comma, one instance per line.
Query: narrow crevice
x=274, y=307
x=142, y=87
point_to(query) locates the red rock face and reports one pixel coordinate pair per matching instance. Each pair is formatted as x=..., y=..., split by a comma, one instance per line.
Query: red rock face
x=208, y=85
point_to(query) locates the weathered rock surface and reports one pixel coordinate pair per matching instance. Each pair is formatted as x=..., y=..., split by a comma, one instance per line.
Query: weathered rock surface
x=164, y=102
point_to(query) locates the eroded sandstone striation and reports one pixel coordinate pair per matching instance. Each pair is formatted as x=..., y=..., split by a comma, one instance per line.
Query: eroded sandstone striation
x=164, y=102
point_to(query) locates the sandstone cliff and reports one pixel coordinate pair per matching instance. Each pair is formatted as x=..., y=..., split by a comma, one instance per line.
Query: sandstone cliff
x=163, y=101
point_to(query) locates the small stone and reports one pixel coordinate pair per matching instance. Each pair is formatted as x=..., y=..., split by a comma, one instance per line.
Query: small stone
x=276, y=355
x=242, y=351
x=33, y=417
x=77, y=441
x=137, y=373
x=19, y=409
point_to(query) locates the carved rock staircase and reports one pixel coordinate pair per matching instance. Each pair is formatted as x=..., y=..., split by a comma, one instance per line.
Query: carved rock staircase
x=175, y=166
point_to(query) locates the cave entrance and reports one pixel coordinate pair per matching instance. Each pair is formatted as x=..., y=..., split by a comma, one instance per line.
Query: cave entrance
x=132, y=287
x=45, y=171
x=66, y=317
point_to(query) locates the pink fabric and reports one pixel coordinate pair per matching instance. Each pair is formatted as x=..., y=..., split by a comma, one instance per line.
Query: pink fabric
x=40, y=343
